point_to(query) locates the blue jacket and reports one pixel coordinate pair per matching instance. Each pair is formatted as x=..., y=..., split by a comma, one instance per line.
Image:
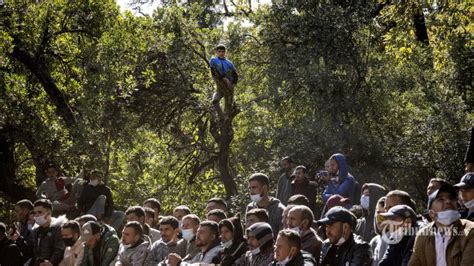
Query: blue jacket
x=347, y=183
x=223, y=68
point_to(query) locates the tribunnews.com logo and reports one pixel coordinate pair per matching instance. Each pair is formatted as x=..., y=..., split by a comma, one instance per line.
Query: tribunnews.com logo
x=393, y=235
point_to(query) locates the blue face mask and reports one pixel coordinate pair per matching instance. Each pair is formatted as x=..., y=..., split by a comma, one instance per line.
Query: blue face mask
x=365, y=202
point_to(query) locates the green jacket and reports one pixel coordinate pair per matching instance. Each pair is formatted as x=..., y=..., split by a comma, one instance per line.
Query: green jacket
x=109, y=246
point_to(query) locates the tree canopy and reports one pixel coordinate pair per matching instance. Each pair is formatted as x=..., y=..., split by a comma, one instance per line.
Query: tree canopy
x=87, y=86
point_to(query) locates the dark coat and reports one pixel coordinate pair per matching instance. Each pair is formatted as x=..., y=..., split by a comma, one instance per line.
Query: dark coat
x=9, y=252
x=399, y=254
x=308, y=189
x=48, y=243
x=354, y=252
x=89, y=195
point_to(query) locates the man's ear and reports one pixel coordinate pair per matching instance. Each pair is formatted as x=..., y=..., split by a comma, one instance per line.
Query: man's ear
x=432, y=215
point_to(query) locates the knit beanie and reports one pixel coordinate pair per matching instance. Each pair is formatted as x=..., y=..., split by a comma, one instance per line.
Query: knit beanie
x=262, y=232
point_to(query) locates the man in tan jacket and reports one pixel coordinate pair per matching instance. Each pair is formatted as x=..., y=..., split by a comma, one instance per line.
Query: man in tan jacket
x=448, y=240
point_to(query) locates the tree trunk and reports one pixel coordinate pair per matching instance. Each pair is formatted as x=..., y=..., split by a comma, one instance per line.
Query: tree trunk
x=223, y=134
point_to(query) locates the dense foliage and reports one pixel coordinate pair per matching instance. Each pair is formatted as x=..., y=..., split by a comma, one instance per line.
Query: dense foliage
x=86, y=86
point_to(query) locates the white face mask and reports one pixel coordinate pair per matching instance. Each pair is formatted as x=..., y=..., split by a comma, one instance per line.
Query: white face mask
x=469, y=204
x=255, y=251
x=448, y=217
x=365, y=202
x=394, y=237
x=188, y=234
x=256, y=198
x=125, y=246
x=94, y=182
x=227, y=244
x=341, y=239
x=41, y=220
x=297, y=229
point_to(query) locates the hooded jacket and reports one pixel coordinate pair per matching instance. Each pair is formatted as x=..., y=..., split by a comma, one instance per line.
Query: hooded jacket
x=239, y=244
x=275, y=211
x=109, y=246
x=365, y=225
x=48, y=242
x=346, y=184
x=135, y=255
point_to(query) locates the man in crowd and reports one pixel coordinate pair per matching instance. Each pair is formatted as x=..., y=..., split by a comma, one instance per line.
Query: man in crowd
x=216, y=203
x=298, y=199
x=74, y=252
x=101, y=244
x=466, y=193
x=377, y=245
x=339, y=181
x=134, y=249
x=24, y=225
x=169, y=242
x=400, y=226
x=233, y=242
x=435, y=184
x=284, y=182
x=256, y=216
x=48, y=245
x=96, y=199
x=207, y=239
x=156, y=206
x=260, y=242
x=224, y=74
x=10, y=253
x=342, y=245
x=189, y=230
x=301, y=185
x=179, y=212
x=448, y=240
x=259, y=187
x=284, y=216
x=371, y=193
x=137, y=213
x=54, y=188
x=216, y=215
x=300, y=220
x=150, y=217
x=288, y=250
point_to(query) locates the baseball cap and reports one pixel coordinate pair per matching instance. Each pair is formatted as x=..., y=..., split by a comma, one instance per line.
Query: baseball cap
x=89, y=229
x=338, y=214
x=402, y=211
x=444, y=188
x=467, y=181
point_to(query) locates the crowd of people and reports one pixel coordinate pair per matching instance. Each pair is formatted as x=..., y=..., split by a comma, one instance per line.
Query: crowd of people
x=359, y=225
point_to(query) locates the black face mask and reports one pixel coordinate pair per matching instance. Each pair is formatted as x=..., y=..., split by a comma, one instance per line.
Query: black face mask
x=69, y=242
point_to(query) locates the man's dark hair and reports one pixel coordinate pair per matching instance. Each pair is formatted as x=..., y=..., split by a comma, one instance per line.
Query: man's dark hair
x=439, y=180
x=95, y=227
x=218, y=201
x=219, y=213
x=154, y=203
x=96, y=173
x=73, y=225
x=294, y=239
x=45, y=203
x=25, y=204
x=287, y=158
x=51, y=165
x=302, y=167
x=213, y=227
x=137, y=210
x=357, y=210
x=170, y=220
x=306, y=214
x=192, y=217
x=136, y=226
x=298, y=199
x=183, y=208
x=149, y=211
x=403, y=196
x=220, y=46
x=261, y=214
x=260, y=178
